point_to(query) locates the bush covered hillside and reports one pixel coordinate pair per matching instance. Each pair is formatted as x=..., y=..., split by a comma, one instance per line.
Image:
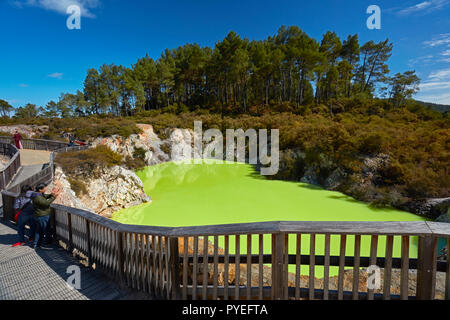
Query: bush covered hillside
x=416, y=139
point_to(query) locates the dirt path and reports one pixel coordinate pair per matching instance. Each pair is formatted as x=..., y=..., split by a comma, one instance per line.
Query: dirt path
x=33, y=157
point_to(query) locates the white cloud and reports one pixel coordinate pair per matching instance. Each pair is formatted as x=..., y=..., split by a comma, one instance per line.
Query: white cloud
x=421, y=60
x=439, y=40
x=23, y=85
x=437, y=88
x=56, y=75
x=426, y=7
x=428, y=86
x=417, y=7
x=440, y=98
x=61, y=6
x=446, y=53
x=440, y=74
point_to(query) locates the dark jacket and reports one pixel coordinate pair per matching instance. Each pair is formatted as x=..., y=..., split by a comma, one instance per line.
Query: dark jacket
x=24, y=203
x=42, y=203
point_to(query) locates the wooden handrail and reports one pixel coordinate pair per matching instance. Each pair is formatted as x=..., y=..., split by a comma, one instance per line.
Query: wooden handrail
x=13, y=165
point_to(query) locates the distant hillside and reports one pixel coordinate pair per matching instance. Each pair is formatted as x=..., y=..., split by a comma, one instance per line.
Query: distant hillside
x=438, y=107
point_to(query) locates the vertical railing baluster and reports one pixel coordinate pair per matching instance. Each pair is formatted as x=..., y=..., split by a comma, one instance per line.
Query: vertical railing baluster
x=167, y=266
x=426, y=267
x=69, y=226
x=447, y=272
x=226, y=267
x=205, y=268
x=278, y=256
x=298, y=257
x=174, y=268
x=326, y=268
x=88, y=239
x=286, y=267
x=195, y=269
x=185, y=267
x=312, y=263
x=261, y=267
x=155, y=267
x=388, y=268
x=343, y=245
x=405, y=268
x=237, y=267
x=249, y=266
x=356, y=255
x=373, y=261
x=120, y=257
x=216, y=266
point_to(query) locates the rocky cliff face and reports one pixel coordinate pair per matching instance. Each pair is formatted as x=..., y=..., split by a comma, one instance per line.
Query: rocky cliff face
x=323, y=171
x=67, y=196
x=110, y=190
x=431, y=208
x=29, y=131
x=176, y=147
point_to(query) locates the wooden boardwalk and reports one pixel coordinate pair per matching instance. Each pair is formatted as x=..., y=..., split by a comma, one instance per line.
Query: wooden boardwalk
x=32, y=162
x=28, y=274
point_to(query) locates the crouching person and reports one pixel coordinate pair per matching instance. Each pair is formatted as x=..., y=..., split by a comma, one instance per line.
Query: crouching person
x=24, y=210
x=41, y=203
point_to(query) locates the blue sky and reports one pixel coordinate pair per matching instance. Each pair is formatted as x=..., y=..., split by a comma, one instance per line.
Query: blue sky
x=41, y=58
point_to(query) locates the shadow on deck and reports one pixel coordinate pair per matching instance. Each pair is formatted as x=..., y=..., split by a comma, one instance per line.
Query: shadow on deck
x=28, y=274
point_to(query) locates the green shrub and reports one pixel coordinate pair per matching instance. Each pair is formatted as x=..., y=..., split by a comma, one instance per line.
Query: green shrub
x=78, y=186
x=84, y=162
x=134, y=163
x=371, y=144
x=137, y=162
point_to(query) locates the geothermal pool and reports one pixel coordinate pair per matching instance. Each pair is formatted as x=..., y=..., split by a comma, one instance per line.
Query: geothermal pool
x=186, y=194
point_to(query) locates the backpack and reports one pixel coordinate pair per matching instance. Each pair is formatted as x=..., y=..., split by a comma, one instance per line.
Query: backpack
x=16, y=217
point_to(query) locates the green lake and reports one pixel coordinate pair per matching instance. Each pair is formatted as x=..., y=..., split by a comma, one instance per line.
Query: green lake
x=186, y=194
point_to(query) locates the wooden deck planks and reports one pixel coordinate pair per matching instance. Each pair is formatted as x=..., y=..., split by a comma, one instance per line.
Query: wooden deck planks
x=28, y=274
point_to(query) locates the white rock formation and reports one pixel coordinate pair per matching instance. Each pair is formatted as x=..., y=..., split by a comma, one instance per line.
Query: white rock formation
x=67, y=196
x=179, y=146
x=114, y=189
x=29, y=131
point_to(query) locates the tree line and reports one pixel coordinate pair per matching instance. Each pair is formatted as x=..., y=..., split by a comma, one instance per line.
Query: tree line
x=237, y=76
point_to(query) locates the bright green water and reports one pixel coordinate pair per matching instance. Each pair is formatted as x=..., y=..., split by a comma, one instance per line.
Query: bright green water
x=188, y=194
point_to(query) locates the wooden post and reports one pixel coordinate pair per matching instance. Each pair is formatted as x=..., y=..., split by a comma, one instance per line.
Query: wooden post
x=174, y=266
x=5, y=214
x=447, y=273
x=278, y=256
x=52, y=226
x=69, y=226
x=120, y=257
x=426, y=268
x=88, y=237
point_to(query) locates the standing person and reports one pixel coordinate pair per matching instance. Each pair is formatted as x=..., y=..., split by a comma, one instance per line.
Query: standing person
x=24, y=204
x=17, y=137
x=42, y=211
x=71, y=140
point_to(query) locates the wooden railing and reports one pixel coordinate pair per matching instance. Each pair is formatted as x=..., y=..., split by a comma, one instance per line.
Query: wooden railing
x=11, y=168
x=224, y=262
x=36, y=144
x=156, y=260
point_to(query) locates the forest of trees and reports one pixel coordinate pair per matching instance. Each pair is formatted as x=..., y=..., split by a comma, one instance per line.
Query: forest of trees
x=238, y=76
